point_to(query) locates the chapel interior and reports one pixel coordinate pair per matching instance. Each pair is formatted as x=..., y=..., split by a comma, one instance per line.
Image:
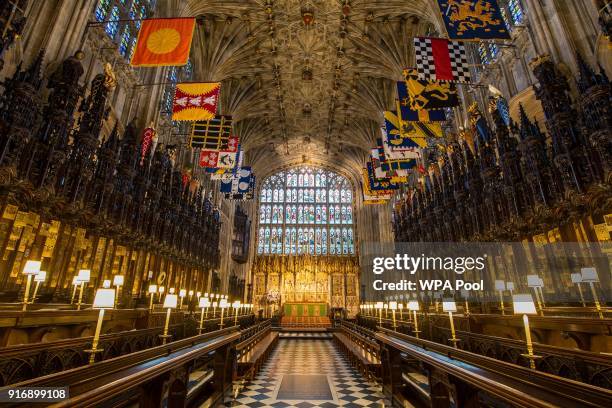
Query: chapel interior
x=198, y=200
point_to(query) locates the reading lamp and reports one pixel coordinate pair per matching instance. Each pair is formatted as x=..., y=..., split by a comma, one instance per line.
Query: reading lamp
x=523, y=304
x=170, y=302
x=104, y=299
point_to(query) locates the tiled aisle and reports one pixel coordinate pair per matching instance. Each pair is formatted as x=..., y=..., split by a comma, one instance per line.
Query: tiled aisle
x=308, y=356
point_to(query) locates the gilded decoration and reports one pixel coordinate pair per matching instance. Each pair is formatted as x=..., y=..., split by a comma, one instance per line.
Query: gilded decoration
x=306, y=279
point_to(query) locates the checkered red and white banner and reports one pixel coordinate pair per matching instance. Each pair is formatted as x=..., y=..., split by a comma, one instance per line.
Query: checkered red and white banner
x=439, y=59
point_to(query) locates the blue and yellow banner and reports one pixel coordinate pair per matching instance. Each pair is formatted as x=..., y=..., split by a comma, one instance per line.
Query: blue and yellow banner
x=473, y=20
x=419, y=94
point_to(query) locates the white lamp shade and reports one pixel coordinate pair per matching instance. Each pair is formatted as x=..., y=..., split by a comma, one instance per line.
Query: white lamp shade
x=171, y=290
x=236, y=304
x=523, y=304
x=191, y=293
x=413, y=305
x=510, y=285
x=400, y=306
x=588, y=274
x=379, y=305
x=31, y=267
x=75, y=280
x=215, y=304
x=84, y=275
x=500, y=285
x=533, y=281
x=182, y=292
x=393, y=305
x=576, y=277
x=204, y=302
x=118, y=280
x=106, y=284
x=223, y=303
x=386, y=305
x=104, y=299
x=170, y=301
x=161, y=289
x=40, y=276
x=449, y=305
x=152, y=288
x=206, y=295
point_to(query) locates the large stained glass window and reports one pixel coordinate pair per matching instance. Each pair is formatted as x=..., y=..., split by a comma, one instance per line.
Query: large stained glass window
x=123, y=19
x=306, y=211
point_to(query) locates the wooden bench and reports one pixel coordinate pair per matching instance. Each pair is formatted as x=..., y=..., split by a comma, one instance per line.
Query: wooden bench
x=194, y=369
x=253, y=352
x=360, y=350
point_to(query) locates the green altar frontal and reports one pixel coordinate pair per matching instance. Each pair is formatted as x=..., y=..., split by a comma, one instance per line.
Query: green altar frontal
x=305, y=309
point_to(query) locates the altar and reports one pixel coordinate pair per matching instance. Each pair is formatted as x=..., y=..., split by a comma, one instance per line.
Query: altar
x=305, y=309
x=306, y=285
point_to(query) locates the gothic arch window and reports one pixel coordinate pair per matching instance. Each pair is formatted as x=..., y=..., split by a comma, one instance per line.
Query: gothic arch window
x=123, y=19
x=306, y=210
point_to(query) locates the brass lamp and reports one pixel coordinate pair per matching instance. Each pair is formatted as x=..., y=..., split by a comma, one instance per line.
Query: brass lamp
x=510, y=288
x=465, y=295
x=393, y=307
x=152, y=291
x=74, y=288
x=104, y=299
x=171, y=291
x=449, y=305
x=500, y=286
x=222, y=305
x=118, y=282
x=214, y=306
x=198, y=295
x=523, y=304
x=236, y=306
x=38, y=278
x=170, y=302
x=577, y=279
x=106, y=284
x=204, y=305
x=182, y=294
x=386, y=308
x=82, y=278
x=379, y=307
x=161, y=291
x=590, y=275
x=413, y=305
x=190, y=295
x=400, y=306
x=534, y=281
x=31, y=268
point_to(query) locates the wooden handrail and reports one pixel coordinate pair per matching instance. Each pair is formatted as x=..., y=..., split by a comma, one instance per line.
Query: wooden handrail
x=594, y=358
x=98, y=395
x=550, y=389
x=89, y=372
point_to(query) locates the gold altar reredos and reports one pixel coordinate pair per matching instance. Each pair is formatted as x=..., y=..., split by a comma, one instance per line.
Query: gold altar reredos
x=308, y=279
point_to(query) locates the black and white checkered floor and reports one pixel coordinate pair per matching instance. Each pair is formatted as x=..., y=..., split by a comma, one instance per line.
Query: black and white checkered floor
x=308, y=356
x=304, y=335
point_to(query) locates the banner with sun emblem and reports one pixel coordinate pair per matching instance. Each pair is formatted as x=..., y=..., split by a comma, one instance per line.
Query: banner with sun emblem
x=163, y=42
x=473, y=20
x=195, y=101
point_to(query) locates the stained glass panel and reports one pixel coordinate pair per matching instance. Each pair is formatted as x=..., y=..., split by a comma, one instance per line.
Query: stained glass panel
x=306, y=186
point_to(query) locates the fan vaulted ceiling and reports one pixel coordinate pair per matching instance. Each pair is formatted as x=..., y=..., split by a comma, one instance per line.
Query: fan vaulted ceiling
x=306, y=81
